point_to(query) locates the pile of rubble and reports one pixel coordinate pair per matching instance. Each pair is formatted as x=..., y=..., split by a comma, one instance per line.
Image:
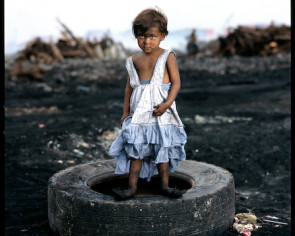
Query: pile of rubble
x=245, y=41
x=29, y=63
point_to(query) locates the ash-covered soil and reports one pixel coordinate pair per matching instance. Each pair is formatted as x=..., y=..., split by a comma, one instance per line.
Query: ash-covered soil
x=236, y=111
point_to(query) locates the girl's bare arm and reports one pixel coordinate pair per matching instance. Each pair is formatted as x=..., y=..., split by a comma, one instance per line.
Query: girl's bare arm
x=128, y=92
x=175, y=85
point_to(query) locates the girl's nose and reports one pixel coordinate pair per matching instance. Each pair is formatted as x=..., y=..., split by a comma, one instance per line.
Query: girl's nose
x=146, y=40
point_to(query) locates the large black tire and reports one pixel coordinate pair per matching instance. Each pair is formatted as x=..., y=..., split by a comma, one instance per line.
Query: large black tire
x=207, y=208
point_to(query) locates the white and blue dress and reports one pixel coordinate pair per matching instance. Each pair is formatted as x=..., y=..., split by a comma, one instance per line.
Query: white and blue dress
x=152, y=139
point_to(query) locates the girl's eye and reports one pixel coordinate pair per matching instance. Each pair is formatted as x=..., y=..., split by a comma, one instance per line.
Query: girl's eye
x=152, y=36
x=141, y=36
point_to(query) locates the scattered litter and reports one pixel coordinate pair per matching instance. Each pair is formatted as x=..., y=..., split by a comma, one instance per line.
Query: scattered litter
x=188, y=121
x=200, y=119
x=43, y=86
x=271, y=217
x=78, y=141
x=219, y=119
x=41, y=126
x=247, y=218
x=60, y=161
x=108, y=137
x=275, y=222
x=244, y=198
x=111, y=135
x=78, y=152
x=83, y=88
x=71, y=161
x=49, y=143
x=246, y=233
x=81, y=143
x=21, y=111
x=245, y=223
x=272, y=150
x=53, y=144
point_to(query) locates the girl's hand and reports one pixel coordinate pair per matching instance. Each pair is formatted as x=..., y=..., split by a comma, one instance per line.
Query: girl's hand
x=123, y=118
x=160, y=109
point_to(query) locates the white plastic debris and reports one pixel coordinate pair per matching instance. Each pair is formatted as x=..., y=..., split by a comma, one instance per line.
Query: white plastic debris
x=219, y=119
x=271, y=217
x=78, y=152
x=275, y=222
x=245, y=223
x=82, y=143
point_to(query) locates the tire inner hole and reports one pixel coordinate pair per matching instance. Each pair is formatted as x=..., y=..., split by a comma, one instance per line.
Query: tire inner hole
x=151, y=189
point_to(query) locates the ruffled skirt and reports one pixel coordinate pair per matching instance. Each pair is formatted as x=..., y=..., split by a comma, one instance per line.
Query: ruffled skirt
x=151, y=143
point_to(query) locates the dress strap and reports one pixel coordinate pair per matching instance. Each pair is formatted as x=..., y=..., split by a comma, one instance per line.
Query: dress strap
x=159, y=71
x=134, y=80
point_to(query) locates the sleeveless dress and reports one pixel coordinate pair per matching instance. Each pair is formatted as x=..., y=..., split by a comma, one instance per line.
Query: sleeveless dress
x=152, y=139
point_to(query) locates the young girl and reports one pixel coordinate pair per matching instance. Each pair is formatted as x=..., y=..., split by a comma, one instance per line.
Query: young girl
x=152, y=137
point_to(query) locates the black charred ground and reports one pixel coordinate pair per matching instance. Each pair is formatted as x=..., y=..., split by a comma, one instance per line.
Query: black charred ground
x=236, y=112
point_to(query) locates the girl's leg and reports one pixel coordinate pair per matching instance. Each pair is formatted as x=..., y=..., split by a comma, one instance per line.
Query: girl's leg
x=135, y=167
x=163, y=169
x=134, y=171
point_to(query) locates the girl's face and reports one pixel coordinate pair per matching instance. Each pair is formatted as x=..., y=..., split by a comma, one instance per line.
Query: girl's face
x=150, y=40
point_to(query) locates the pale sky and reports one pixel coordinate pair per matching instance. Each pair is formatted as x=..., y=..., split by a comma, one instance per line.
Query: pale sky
x=25, y=19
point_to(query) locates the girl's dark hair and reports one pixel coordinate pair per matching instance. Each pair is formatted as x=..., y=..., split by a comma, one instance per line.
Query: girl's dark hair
x=148, y=18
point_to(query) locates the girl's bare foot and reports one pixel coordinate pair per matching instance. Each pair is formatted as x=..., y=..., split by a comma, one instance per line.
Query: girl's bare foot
x=123, y=195
x=173, y=192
